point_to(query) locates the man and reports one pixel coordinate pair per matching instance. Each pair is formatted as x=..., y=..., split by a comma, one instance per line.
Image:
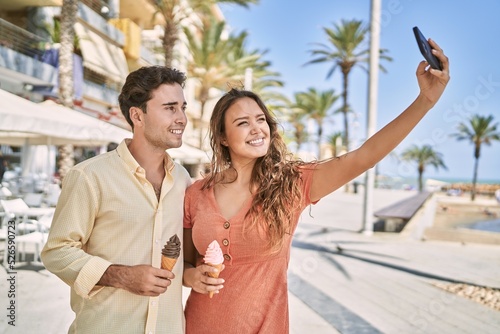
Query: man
x=117, y=210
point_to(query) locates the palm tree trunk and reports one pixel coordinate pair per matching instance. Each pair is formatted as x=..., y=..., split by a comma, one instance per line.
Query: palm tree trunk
x=66, y=86
x=299, y=144
x=320, y=134
x=420, y=178
x=474, y=179
x=345, y=110
x=420, y=182
x=200, y=121
x=170, y=38
x=68, y=17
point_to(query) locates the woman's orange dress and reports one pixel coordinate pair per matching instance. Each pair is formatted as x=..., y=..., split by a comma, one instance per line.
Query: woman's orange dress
x=255, y=294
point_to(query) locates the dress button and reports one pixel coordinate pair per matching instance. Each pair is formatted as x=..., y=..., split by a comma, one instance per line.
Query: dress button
x=227, y=257
x=225, y=242
x=226, y=225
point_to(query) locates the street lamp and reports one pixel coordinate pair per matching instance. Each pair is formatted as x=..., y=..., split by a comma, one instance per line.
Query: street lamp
x=372, y=111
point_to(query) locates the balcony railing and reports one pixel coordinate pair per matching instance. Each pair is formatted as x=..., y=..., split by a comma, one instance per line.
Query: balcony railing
x=100, y=7
x=20, y=40
x=99, y=23
x=100, y=92
x=22, y=51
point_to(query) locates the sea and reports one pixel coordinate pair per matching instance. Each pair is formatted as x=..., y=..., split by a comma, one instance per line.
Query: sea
x=488, y=226
x=409, y=183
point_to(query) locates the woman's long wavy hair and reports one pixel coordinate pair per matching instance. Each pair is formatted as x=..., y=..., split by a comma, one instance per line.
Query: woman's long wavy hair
x=275, y=176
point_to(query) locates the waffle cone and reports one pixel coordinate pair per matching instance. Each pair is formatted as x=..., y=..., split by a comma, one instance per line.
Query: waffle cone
x=214, y=275
x=167, y=263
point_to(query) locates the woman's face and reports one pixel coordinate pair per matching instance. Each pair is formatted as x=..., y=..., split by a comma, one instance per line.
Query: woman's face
x=247, y=134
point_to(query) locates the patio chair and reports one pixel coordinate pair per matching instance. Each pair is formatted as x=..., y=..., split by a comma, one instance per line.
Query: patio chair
x=5, y=193
x=3, y=231
x=27, y=231
x=16, y=209
x=35, y=240
x=33, y=199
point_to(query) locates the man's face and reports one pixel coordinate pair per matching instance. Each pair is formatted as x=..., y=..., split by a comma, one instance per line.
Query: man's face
x=165, y=119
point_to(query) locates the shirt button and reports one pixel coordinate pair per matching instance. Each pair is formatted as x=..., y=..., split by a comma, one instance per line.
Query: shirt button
x=153, y=303
x=225, y=242
x=226, y=225
x=227, y=257
x=157, y=241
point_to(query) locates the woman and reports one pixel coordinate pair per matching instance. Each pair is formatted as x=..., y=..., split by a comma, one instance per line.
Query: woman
x=251, y=201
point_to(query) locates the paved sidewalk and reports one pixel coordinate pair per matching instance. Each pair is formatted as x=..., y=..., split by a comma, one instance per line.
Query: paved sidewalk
x=384, y=283
x=340, y=281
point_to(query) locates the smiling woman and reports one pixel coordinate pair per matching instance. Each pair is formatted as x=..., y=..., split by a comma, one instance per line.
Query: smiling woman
x=251, y=201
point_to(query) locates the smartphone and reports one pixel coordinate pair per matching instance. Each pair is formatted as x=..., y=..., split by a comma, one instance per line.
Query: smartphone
x=426, y=49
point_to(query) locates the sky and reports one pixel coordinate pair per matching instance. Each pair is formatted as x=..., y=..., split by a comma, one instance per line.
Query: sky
x=467, y=31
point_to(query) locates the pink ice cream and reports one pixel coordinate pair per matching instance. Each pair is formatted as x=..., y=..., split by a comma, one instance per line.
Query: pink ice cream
x=213, y=255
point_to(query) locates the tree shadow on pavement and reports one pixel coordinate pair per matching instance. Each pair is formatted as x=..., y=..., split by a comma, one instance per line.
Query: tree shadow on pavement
x=329, y=253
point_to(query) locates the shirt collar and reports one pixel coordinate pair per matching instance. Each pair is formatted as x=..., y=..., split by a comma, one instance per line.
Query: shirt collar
x=133, y=165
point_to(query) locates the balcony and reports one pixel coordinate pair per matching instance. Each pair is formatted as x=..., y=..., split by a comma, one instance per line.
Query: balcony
x=100, y=92
x=21, y=52
x=100, y=24
x=135, y=47
x=21, y=55
x=21, y=4
x=141, y=12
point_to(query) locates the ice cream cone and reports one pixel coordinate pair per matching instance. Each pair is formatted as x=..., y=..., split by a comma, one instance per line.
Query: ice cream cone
x=170, y=253
x=167, y=263
x=214, y=275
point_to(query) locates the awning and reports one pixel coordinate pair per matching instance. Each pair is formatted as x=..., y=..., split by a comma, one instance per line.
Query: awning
x=25, y=122
x=101, y=56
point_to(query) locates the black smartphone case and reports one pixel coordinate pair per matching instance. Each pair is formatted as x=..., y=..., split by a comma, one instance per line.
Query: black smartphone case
x=426, y=49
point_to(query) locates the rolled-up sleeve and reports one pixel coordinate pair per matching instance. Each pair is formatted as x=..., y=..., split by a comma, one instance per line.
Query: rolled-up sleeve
x=64, y=253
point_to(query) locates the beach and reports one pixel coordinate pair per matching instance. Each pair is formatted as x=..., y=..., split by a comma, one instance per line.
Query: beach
x=457, y=218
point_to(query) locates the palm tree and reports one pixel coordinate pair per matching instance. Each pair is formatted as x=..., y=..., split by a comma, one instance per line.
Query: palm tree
x=208, y=64
x=423, y=156
x=295, y=117
x=346, y=49
x=479, y=130
x=66, y=88
x=174, y=14
x=263, y=79
x=318, y=106
x=217, y=60
x=333, y=140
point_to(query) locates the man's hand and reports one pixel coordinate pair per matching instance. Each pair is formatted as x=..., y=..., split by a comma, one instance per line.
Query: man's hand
x=143, y=280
